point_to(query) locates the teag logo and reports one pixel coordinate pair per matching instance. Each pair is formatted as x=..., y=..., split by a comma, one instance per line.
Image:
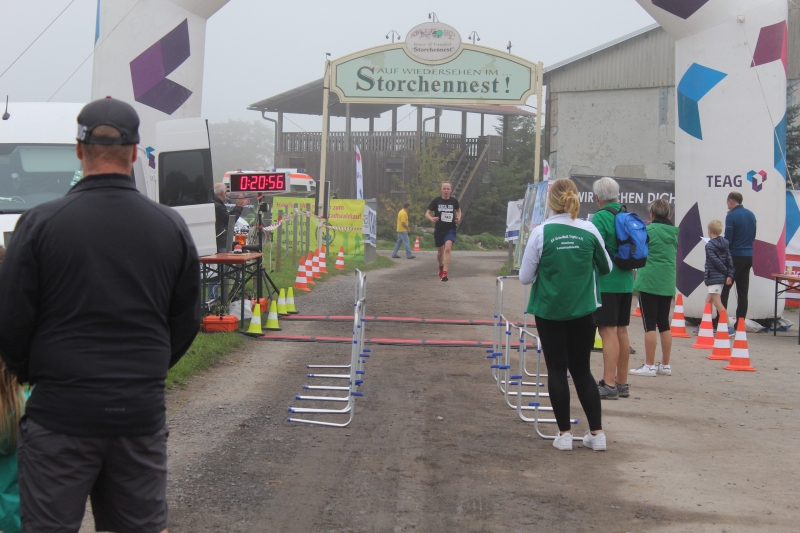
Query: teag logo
x=757, y=179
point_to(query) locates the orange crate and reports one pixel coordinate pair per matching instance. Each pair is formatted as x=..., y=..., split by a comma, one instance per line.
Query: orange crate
x=220, y=323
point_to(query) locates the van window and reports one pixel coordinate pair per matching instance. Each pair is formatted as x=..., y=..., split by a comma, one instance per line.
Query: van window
x=32, y=174
x=185, y=178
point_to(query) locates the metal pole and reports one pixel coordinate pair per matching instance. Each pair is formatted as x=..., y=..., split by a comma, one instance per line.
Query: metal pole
x=538, y=156
x=308, y=229
x=295, y=222
x=280, y=235
x=323, y=156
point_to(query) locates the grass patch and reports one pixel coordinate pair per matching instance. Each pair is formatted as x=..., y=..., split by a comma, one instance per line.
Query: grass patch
x=206, y=350
x=285, y=277
x=503, y=271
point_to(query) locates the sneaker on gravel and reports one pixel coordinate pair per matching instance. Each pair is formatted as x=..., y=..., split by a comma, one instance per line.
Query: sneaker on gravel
x=607, y=392
x=441, y=271
x=444, y=276
x=644, y=370
x=664, y=370
x=624, y=390
x=411, y=257
x=395, y=257
x=696, y=331
x=563, y=442
x=595, y=442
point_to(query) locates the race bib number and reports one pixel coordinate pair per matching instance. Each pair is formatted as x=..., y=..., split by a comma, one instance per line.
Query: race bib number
x=447, y=216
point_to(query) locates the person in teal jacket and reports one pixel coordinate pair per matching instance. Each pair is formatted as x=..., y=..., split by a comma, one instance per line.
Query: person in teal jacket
x=656, y=285
x=563, y=259
x=12, y=406
x=616, y=293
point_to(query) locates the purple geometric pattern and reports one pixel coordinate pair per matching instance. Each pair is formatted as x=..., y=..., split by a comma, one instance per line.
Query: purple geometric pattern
x=772, y=45
x=766, y=260
x=757, y=179
x=680, y=8
x=691, y=233
x=150, y=69
x=151, y=158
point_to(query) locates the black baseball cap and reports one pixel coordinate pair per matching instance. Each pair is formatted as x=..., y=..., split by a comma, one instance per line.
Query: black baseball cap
x=108, y=112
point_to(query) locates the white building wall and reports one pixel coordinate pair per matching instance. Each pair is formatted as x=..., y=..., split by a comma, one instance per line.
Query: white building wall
x=621, y=133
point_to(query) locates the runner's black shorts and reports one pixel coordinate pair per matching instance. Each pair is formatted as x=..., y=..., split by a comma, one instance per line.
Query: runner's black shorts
x=615, y=311
x=126, y=478
x=440, y=238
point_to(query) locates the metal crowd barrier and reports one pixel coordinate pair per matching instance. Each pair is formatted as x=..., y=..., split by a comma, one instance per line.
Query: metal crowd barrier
x=355, y=369
x=501, y=366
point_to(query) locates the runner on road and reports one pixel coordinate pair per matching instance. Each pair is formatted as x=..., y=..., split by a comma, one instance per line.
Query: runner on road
x=445, y=213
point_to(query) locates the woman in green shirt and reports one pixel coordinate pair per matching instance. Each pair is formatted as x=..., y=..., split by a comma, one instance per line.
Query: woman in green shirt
x=562, y=260
x=656, y=285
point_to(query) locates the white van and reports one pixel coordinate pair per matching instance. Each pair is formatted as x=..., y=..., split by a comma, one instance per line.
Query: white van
x=37, y=157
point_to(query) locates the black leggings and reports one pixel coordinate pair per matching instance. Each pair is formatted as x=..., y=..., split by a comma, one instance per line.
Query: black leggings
x=655, y=311
x=567, y=345
x=741, y=278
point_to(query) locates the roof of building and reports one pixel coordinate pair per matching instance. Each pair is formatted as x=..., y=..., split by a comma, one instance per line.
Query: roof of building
x=596, y=49
x=307, y=100
x=644, y=58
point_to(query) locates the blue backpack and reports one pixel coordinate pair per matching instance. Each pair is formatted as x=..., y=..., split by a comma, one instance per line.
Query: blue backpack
x=632, y=239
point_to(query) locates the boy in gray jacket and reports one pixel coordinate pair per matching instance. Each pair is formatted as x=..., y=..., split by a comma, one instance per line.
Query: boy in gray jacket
x=719, y=265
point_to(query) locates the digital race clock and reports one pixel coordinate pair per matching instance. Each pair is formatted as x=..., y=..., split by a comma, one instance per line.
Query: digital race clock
x=259, y=182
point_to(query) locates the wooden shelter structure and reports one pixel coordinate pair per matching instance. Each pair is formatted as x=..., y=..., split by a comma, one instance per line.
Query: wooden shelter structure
x=388, y=157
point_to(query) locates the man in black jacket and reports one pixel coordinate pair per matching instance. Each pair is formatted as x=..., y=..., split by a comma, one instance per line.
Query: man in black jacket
x=99, y=297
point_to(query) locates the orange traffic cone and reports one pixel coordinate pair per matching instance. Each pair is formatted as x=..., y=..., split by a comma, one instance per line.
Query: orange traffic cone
x=740, y=355
x=678, y=325
x=705, y=337
x=323, y=269
x=300, y=282
x=340, y=259
x=315, y=265
x=310, y=269
x=416, y=245
x=638, y=311
x=722, y=343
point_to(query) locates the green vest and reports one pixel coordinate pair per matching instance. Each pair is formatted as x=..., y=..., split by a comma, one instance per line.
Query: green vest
x=619, y=280
x=658, y=275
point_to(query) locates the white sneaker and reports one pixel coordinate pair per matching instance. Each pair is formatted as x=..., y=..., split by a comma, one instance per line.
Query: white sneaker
x=563, y=442
x=664, y=370
x=595, y=442
x=644, y=370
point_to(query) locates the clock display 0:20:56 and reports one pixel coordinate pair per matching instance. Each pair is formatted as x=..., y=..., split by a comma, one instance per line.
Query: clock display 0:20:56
x=258, y=182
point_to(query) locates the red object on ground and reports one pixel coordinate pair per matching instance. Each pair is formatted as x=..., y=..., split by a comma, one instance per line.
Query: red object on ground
x=220, y=323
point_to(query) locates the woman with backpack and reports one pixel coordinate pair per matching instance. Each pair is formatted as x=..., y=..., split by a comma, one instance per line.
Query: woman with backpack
x=656, y=285
x=562, y=260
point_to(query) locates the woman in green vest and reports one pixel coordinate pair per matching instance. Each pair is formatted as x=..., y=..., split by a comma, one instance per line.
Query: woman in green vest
x=656, y=285
x=563, y=258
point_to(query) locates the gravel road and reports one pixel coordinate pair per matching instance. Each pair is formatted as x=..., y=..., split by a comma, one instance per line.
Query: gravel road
x=433, y=448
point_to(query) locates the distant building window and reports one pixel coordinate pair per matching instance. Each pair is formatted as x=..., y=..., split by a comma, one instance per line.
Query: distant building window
x=394, y=164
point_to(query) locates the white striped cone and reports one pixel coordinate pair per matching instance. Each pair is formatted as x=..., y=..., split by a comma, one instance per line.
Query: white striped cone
x=323, y=268
x=678, y=325
x=340, y=259
x=705, y=337
x=300, y=282
x=315, y=266
x=740, y=355
x=722, y=343
x=310, y=269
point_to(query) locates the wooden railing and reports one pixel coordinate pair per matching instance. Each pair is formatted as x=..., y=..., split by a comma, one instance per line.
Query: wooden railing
x=386, y=141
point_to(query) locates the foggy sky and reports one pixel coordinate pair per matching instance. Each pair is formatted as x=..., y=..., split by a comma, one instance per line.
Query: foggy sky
x=259, y=48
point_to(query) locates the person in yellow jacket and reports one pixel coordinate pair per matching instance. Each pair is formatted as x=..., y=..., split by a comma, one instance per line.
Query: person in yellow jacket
x=402, y=233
